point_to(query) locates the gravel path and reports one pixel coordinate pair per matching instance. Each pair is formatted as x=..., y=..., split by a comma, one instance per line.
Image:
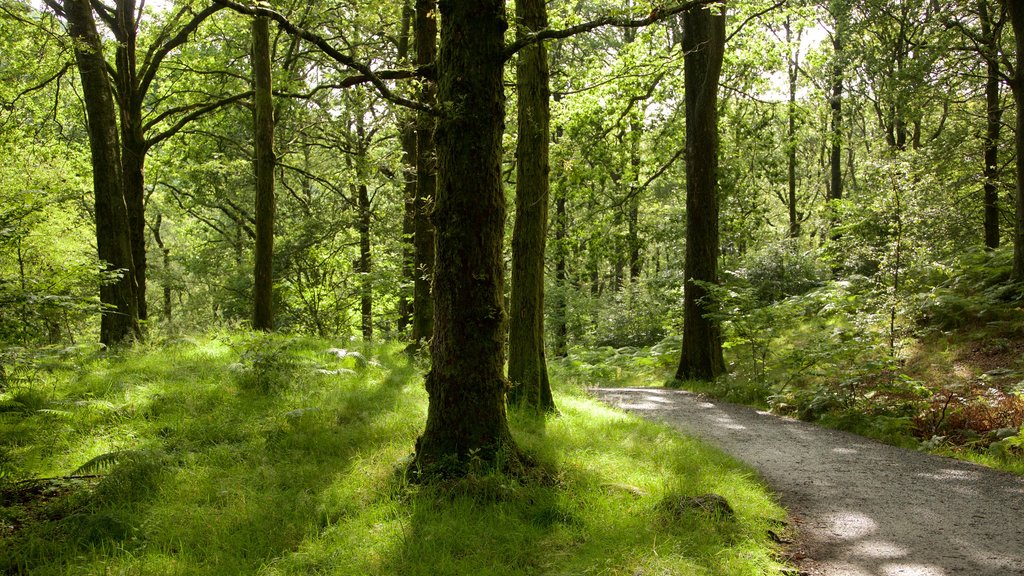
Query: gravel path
x=861, y=508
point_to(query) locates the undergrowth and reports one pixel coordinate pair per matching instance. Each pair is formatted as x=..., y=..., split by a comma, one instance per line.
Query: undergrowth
x=273, y=455
x=939, y=367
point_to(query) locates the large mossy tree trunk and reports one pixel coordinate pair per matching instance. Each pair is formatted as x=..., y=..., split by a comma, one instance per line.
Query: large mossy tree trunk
x=120, y=317
x=527, y=368
x=704, y=48
x=263, y=118
x=466, y=416
x=1015, y=9
x=425, y=40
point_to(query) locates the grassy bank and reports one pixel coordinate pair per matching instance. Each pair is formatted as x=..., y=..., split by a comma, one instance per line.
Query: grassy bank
x=242, y=454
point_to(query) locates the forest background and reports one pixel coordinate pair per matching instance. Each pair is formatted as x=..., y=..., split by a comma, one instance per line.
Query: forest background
x=870, y=216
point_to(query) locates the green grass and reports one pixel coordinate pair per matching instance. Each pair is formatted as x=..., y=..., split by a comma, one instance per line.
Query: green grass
x=238, y=457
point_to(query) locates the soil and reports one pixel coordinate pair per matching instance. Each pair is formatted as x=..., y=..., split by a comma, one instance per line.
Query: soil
x=859, y=507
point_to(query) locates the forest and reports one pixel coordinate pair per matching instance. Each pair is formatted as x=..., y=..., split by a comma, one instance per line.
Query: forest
x=321, y=287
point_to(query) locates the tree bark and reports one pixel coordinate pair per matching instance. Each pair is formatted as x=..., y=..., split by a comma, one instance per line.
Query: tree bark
x=165, y=251
x=527, y=369
x=263, y=117
x=365, y=262
x=835, y=190
x=703, y=48
x=425, y=39
x=406, y=296
x=466, y=416
x=120, y=317
x=1015, y=10
x=793, y=65
x=991, y=31
x=407, y=137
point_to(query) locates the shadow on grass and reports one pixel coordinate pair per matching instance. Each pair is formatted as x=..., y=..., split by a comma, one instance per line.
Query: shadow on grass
x=222, y=480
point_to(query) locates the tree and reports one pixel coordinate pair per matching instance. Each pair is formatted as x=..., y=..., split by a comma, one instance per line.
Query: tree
x=120, y=319
x=425, y=38
x=704, y=49
x=1016, y=12
x=466, y=383
x=263, y=119
x=527, y=368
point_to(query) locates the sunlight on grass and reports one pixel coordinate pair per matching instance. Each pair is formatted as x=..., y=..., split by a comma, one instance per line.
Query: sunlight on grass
x=301, y=475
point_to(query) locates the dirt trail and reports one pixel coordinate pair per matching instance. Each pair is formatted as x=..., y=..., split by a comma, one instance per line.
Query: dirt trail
x=862, y=508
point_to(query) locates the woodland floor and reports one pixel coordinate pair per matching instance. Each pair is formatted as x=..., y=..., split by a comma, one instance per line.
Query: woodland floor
x=859, y=507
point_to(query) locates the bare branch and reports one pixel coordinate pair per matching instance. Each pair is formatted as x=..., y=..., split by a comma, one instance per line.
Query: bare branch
x=156, y=55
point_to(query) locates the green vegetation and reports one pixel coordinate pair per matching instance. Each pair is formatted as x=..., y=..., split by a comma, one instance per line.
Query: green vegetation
x=938, y=367
x=246, y=454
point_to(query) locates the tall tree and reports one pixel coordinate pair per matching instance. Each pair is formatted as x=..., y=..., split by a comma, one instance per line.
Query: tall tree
x=120, y=319
x=133, y=83
x=839, y=12
x=704, y=49
x=1015, y=9
x=990, y=47
x=466, y=383
x=425, y=39
x=263, y=119
x=527, y=368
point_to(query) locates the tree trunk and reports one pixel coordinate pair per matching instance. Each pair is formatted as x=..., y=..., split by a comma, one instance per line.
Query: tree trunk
x=133, y=141
x=527, y=369
x=407, y=137
x=793, y=65
x=120, y=318
x=993, y=125
x=466, y=384
x=166, y=252
x=425, y=38
x=561, y=277
x=835, y=190
x=1016, y=12
x=704, y=48
x=263, y=296
x=405, y=303
x=365, y=260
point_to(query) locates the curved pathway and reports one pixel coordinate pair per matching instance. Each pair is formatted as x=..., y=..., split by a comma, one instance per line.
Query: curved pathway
x=861, y=508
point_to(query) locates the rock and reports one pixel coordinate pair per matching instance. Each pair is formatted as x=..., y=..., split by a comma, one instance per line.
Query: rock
x=709, y=504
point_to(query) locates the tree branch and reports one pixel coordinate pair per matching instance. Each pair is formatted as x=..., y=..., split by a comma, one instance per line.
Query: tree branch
x=197, y=111
x=156, y=55
x=656, y=15
x=335, y=54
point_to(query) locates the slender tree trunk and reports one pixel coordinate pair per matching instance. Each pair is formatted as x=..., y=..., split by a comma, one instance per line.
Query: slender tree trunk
x=561, y=277
x=836, y=104
x=365, y=262
x=990, y=33
x=425, y=33
x=407, y=138
x=704, y=48
x=793, y=65
x=263, y=296
x=1015, y=9
x=466, y=384
x=120, y=318
x=527, y=369
x=405, y=303
x=166, y=252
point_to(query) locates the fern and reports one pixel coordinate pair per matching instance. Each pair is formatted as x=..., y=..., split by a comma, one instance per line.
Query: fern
x=104, y=462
